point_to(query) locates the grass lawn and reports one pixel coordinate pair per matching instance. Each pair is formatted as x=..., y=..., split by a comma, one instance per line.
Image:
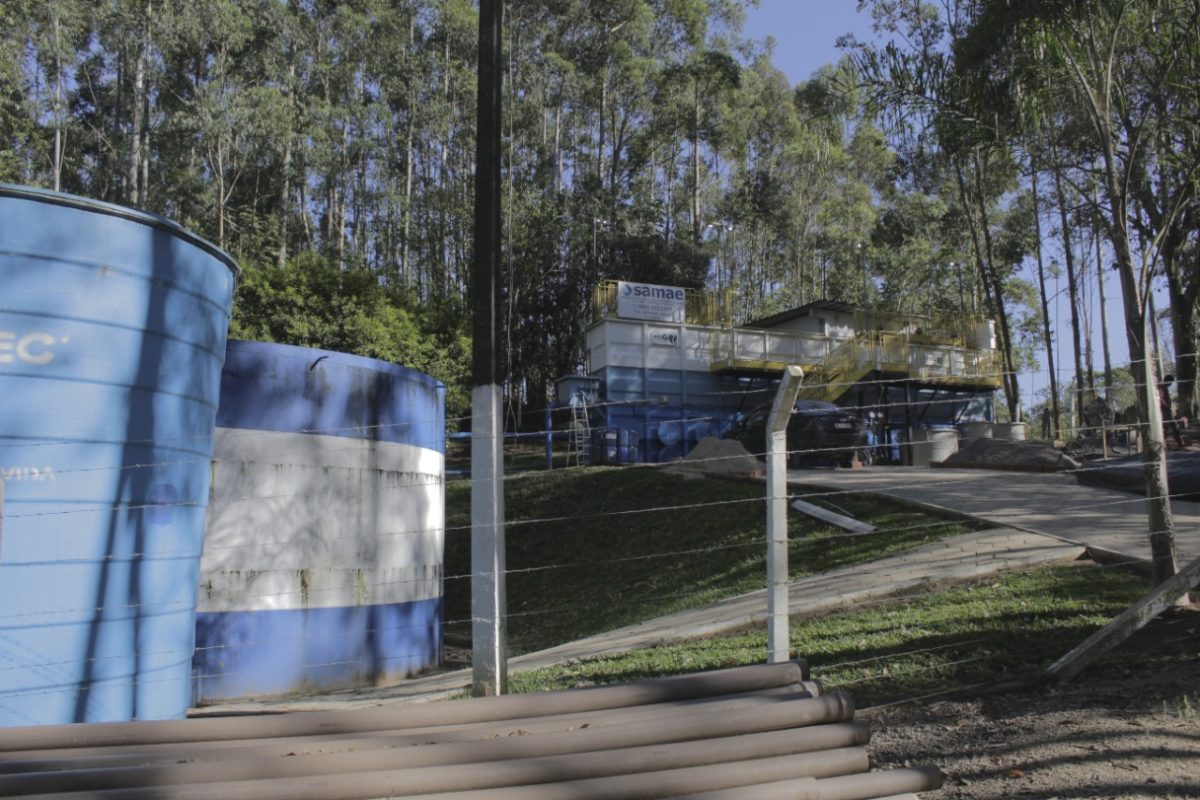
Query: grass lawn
x=991, y=631
x=594, y=549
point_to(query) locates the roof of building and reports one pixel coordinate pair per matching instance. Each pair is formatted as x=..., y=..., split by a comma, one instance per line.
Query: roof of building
x=806, y=310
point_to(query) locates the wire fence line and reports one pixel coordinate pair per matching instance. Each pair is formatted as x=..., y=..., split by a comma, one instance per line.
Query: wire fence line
x=560, y=519
x=565, y=521
x=284, y=453
x=426, y=480
x=365, y=432
x=958, y=480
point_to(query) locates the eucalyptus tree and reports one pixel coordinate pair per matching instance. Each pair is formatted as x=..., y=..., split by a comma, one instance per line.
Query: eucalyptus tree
x=19, y=107
x=58, y=34
x=1035, y=200
x=912, y=81
x=1166, y=93
x=1111, y=59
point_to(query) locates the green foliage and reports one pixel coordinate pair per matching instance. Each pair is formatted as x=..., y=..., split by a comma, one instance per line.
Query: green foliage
x=643, y=139
x=312, y=304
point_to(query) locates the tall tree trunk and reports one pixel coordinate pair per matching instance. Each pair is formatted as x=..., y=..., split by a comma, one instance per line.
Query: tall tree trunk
x=1158, y=502
x=1183, y=298
x=697, y=223
x=409, y=156
x=1108, y=373
x=995, y=288
x=285, y=191
x=1047, y=336
x=137, y=105
x=1100, y=288
x=601, y=131
x=1072, y=289
x=285, y=172
x=220, y=197
x=558, y=153
x=1089, y=363
x=145, y=170
x=59, y=143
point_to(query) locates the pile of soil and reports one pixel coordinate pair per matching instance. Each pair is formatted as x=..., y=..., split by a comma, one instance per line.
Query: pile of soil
x=1128, y=475
x=719, y=457
x=1006, y=454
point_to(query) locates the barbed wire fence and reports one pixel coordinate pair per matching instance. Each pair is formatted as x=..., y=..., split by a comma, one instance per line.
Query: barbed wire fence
x=564, y=524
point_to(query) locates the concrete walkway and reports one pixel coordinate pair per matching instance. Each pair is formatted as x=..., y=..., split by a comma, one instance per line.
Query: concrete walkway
x=1053, y=504
x=1042, y=518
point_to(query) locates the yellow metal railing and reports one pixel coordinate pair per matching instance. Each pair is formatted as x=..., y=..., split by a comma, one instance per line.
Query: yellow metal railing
x=839, y=364
x=756, y=348
x=700, y=307
x=900, y=354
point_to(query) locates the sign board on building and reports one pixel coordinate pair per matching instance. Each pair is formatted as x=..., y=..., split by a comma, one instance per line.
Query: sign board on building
x=664, y=338
x=650, y=302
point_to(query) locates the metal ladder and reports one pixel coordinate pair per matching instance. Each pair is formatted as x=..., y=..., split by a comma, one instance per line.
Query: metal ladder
x=579, y=443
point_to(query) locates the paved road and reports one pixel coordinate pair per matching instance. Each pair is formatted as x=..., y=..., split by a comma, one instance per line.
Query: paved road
x=1054, y=504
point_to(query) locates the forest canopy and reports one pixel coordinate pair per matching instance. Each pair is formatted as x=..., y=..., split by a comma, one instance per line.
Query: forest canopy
x=329, y=147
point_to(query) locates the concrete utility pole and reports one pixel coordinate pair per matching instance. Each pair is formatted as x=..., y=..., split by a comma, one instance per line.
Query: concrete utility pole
x=489, y=645
x=778, y=638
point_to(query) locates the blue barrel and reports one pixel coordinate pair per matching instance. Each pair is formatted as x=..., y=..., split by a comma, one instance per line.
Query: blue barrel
x=322, y=564
x=629, y=445
x=112, y=336
x=671, y=432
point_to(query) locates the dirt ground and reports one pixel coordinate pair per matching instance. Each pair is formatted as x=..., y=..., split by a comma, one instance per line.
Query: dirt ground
x=1128, y=727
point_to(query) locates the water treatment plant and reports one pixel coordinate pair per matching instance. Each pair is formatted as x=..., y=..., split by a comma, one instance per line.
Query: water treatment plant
x=666, y=367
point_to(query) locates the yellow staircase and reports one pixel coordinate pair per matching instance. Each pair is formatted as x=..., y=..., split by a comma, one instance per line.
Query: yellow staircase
x=845, y=366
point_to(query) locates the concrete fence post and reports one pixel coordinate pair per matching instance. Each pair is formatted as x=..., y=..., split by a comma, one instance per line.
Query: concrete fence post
x=778, y=645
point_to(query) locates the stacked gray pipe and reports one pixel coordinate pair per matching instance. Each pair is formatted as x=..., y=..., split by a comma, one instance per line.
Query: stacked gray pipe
x=748, y=732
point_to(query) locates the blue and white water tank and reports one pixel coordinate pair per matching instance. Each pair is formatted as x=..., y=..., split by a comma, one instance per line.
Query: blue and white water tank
x=322, y=563
x=112, y=335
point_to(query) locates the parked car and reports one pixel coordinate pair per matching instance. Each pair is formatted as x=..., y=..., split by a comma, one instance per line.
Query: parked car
x=817, y=433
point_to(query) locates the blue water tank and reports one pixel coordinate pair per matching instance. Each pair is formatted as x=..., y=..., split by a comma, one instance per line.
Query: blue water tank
x=112, y=335
x=322, y=564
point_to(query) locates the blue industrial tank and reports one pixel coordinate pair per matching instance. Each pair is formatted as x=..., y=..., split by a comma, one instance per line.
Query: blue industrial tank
x=112, y=335
x=322, y=560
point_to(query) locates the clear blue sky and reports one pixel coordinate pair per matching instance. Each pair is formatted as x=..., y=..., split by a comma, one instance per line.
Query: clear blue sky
x=805, y=31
